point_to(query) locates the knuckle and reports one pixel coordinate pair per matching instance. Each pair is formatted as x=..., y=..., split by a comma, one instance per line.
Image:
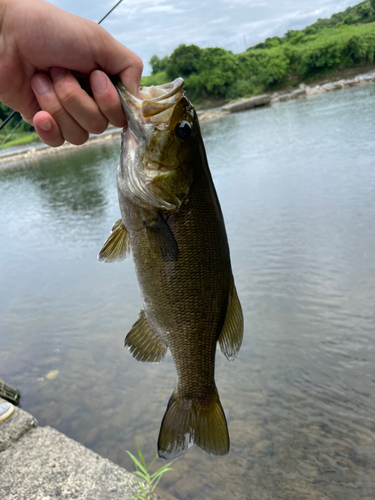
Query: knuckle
x=56, y=111
x=98, y=127
x=54, y=143
x=79, y=139
x=138, y=64
x=110, y=108
x=116, y=116
x=28, y=120
x=68, y=95
x=118, y=121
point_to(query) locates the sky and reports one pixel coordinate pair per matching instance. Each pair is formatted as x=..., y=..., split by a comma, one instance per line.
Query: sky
x=151, y=27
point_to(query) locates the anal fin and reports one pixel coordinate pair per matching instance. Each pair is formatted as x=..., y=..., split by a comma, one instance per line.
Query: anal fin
x=117, y=245
x=144, y=344
x=230, y=339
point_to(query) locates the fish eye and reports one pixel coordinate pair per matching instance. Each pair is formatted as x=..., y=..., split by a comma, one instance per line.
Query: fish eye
x=183, y=130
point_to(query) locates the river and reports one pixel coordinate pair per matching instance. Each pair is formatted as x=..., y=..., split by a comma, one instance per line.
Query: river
x=297, y=187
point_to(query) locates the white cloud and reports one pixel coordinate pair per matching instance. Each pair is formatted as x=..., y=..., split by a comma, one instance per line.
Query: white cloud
x=158, y=26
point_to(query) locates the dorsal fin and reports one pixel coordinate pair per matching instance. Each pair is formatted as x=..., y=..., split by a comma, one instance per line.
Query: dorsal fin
x=230, y=339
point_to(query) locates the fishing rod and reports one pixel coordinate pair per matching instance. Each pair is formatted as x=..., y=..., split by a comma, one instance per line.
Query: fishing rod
x=113, y=8
x=8, y=118
x=11, y=132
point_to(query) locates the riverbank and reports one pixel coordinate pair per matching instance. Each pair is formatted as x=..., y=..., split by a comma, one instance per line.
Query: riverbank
x=278, y=97
x=42, y=463
x=36, y=151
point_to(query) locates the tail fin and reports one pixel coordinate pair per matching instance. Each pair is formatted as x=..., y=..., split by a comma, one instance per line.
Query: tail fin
x=188, y=421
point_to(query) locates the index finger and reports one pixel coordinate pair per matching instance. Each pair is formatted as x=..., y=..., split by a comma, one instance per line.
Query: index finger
x=107, y=99
x=115, y=59
x=131, y=76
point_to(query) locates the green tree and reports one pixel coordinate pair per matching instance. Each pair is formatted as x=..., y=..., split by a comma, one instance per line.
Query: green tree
x=349, y=19
x=218, y=70
x=290, y=34
x=365, y=11
x=183, y=61
x=158, y=64
x=274, y=71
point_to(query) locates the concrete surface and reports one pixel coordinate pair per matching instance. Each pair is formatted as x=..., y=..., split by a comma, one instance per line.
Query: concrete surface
x=40, y=463
x=244, y=104
x=14, y=427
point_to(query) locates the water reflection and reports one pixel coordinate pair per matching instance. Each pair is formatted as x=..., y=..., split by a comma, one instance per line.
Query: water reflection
x=296, y=183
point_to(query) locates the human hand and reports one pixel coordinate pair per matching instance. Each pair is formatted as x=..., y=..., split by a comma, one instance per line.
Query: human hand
x=45, y=53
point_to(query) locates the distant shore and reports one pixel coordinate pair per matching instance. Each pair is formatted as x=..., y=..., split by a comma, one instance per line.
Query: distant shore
x=33, y=152
x=36, y=150
x=277, y=97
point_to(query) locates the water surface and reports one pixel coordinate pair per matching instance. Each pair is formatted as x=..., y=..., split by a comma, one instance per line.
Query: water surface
x=297, y=187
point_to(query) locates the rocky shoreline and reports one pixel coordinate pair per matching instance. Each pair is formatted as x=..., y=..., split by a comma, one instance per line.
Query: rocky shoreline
x=301, y=92
x=232, y=107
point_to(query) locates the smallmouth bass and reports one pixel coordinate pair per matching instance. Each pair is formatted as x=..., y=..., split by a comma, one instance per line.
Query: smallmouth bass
x=172, y=223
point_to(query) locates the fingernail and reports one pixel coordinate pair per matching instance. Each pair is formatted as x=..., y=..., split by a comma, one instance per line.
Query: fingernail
x=40, y=84
x=45, y=125
x=98, y=82
x=57, y=74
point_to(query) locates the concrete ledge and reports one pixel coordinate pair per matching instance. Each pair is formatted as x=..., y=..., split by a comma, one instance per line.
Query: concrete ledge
x=296, y=94
x=40, y=463
x=14, y=427
x=45, y=464
x=243, y=105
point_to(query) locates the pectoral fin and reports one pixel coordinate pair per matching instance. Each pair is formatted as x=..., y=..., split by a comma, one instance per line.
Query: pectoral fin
x=144, y=344
x=161, y=238
x=117, y=245
x=230, y=339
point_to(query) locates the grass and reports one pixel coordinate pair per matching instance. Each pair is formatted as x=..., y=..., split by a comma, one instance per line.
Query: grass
x=148, y=481
x=21, y=138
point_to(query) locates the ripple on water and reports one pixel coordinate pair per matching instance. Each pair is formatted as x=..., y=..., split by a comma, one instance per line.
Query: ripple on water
x=296, y=183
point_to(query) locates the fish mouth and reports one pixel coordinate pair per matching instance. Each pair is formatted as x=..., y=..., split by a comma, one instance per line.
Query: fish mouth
x=148, y=115
x=154, y=104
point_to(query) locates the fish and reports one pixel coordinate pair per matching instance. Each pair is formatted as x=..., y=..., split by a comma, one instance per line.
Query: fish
x=172, y=223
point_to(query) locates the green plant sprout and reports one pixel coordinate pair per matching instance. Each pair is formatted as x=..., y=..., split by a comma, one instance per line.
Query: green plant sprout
x=143, y=472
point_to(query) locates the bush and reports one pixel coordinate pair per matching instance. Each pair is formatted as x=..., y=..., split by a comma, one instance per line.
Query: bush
x=310, y=30
x=327, y=45
x=349, y=19
x=365, y=12
x=183, y=61
x=158, y=65
x=158, y=79
x=195, y=88
x=241, y=88
x=274, y=71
